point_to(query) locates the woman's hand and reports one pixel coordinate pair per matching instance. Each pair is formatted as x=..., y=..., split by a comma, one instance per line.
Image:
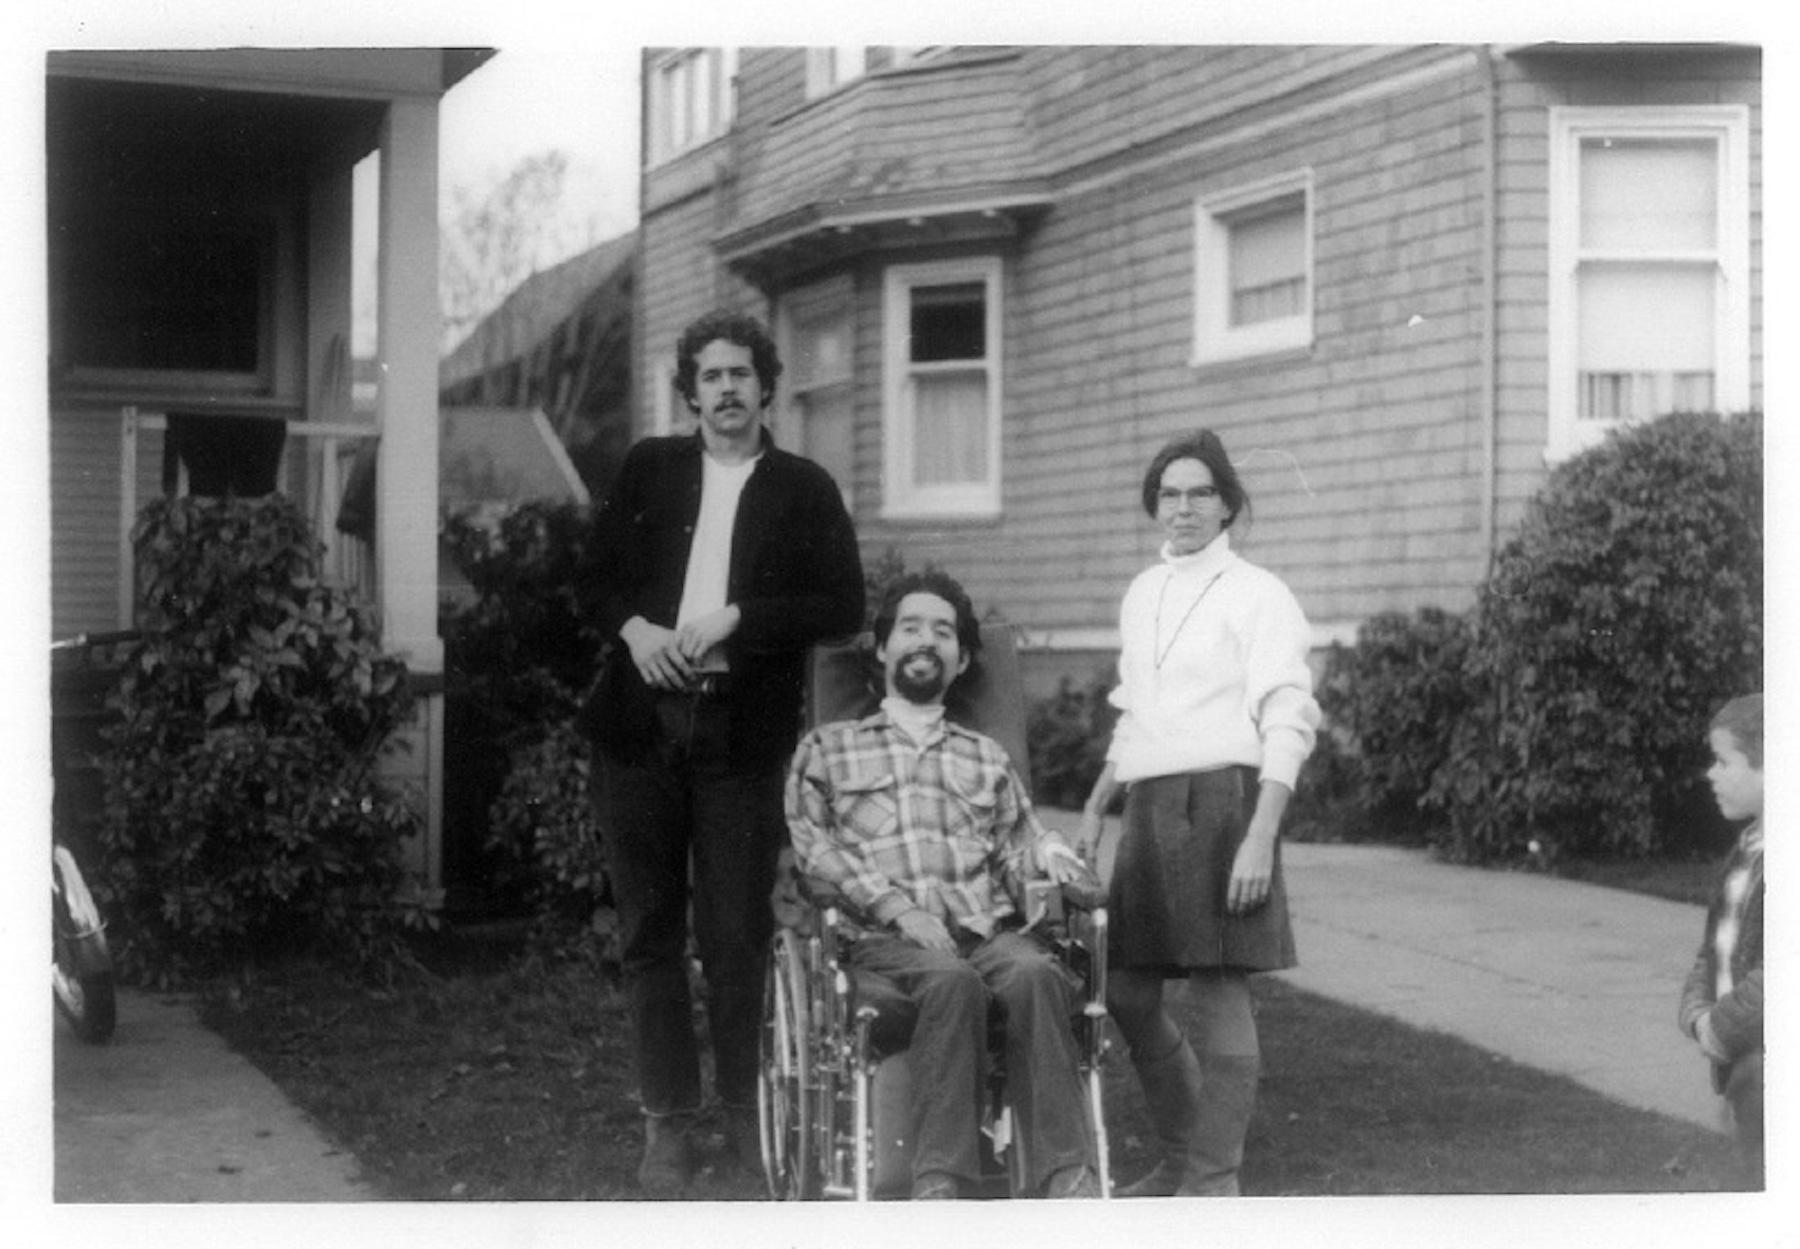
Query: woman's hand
x=1252, y=873
x=1253, y=868
x=1087, y=837
x=1093, y=814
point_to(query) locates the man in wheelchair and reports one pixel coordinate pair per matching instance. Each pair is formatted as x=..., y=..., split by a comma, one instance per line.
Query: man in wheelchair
x=921, y=825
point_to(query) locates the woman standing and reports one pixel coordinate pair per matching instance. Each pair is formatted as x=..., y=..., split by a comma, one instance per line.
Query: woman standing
x=1217, y=715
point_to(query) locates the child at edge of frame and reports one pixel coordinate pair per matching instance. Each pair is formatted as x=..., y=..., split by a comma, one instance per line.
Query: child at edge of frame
x=1722, y=999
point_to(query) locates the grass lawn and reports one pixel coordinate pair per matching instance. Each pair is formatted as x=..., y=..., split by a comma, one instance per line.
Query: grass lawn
x=504, y=1079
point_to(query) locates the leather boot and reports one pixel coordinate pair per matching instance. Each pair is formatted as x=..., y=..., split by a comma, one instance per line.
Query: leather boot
x=668, y=1155
x=1215, y=1148
x=1171, y=1085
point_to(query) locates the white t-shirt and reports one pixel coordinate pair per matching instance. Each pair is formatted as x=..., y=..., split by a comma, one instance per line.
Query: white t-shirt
x=709, y=561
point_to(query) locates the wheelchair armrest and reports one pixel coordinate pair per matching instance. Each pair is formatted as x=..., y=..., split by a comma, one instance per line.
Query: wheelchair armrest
x=1085, y=893
x=1044, y=899
x=821, y=892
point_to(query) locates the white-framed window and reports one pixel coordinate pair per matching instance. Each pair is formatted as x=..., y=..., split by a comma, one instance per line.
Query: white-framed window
x=941, y=410
x=830, y=68
x=1649, y=253
x=691, y=97
x=1253, y=254
x=818, y=343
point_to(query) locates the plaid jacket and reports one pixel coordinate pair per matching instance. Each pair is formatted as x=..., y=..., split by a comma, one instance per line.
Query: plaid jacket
x=1737, y=1013
x=945, y=826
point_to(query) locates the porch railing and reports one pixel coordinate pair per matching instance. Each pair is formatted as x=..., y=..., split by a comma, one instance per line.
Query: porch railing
x=315, y=465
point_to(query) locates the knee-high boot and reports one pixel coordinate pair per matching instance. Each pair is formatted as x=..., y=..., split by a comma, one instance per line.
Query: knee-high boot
x=1216, y=1145
x=1172, y=1092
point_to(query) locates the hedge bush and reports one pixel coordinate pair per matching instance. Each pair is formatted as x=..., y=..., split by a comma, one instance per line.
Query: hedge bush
x=1395, y=696
x=518, y=660
x=522, y=650
x=1067, y=735
x=1626, y=609
x=244, y=814
x=545, y=833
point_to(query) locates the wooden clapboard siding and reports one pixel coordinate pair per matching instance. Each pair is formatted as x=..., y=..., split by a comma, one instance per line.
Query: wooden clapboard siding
x=1366, y=453
x=84, y=521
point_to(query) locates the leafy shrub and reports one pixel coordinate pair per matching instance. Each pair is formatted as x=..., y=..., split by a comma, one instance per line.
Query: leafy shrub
x=522, y=650
x=1395, y=695
x=244, y=815
x=544, y=830
x=1067, y=735
x=1627, y=608
x=518, y=661
x=1327, y=804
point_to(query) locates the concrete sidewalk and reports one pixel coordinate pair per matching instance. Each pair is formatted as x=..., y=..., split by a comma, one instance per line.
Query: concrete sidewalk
x=1571, y=978
x=167, y=1112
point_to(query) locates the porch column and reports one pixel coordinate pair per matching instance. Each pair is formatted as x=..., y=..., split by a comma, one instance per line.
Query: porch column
x=407, y=325
x=406, y=503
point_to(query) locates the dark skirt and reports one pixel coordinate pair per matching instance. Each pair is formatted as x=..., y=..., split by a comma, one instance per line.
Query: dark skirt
x=1172, y=871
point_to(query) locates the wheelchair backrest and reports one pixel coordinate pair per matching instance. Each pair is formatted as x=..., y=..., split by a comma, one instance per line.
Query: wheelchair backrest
x=843, y=682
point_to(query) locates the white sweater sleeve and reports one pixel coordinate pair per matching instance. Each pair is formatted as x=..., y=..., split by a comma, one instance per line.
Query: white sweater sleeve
x=1278, y=684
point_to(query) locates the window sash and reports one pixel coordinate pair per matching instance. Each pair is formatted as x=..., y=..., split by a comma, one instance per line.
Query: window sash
x=1253, y=270
x=830, y=68
x=942, y=414
x=1649, y=210
x=690, y=99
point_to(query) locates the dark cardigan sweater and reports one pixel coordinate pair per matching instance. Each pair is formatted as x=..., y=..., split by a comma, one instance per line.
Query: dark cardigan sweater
x=796, y=577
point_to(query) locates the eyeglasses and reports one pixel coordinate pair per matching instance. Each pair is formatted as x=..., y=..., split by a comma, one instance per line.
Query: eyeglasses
x=1198, y=496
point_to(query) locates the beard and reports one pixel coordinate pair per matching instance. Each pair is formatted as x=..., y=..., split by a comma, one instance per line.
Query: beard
x=920, y=677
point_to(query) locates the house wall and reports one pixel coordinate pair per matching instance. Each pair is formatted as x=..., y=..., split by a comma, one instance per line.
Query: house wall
x=1368, y=454
x=84, y=520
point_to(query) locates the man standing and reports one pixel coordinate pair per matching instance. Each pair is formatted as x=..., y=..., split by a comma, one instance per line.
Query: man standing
x=920, y=823
x=717, y=561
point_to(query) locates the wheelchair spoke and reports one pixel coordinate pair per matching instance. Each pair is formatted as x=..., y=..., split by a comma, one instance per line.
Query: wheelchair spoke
x=784, y=1090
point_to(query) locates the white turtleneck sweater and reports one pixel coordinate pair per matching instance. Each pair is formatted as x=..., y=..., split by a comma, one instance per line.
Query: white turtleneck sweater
x=1212, y=670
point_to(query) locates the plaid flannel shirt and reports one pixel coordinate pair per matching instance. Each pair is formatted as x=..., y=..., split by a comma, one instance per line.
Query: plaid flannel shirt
x=944, y=825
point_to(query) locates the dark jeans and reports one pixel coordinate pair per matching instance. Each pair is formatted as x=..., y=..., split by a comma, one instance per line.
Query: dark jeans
x=1744, y=1092
x=684, y=823
x=1043, y=1081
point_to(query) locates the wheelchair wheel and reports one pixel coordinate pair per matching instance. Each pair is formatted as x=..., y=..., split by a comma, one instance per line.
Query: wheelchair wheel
x=784, y=1092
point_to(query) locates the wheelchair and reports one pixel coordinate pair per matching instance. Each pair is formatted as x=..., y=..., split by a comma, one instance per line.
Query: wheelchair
x=835, y=1085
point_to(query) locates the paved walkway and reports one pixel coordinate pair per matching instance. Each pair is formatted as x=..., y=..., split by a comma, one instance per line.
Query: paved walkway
x=1570, y=978
x=167, y=1112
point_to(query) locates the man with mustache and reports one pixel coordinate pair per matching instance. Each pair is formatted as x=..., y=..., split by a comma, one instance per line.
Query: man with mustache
x=716, y=561
x=920, y=824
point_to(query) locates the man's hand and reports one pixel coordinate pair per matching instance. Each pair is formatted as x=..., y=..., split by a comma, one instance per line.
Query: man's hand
x=1060, y=863
x=656, y=652
x=700, y=635
x=925, y=930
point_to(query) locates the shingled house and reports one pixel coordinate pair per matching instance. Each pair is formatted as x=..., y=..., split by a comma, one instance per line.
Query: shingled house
x=1401, y=281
